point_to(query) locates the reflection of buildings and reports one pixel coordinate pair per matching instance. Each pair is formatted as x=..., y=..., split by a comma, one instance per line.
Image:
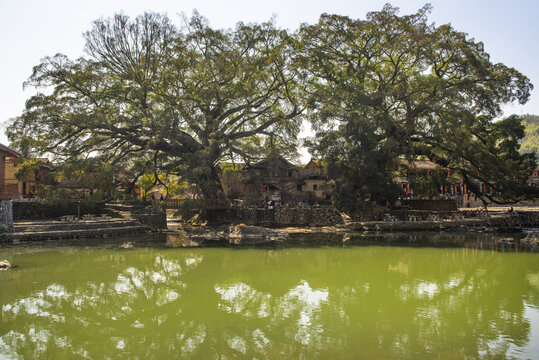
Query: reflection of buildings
x=275, y=179
x=10, y=187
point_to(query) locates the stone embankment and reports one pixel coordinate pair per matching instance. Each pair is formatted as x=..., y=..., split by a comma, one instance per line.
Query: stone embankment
x=35, y=230
x=457, y=222
x=185, y=236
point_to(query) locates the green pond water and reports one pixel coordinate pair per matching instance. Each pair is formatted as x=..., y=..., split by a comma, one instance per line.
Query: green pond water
x=324, y=302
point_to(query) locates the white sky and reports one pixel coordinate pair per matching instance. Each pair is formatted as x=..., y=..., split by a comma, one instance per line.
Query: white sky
x=31, y=30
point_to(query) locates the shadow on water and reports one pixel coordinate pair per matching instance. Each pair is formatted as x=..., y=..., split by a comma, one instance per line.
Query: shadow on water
x=121, y=242
x=502, y=242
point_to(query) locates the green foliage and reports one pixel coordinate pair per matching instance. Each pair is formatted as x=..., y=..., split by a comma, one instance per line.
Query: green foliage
x=173, y=185
x=88, y=173
x=27, y=169
x=82, y=180
x=192, y=211
x=392, y=88
x=427, y=183
x=150, y=97
x=65, y=197
x=231, y=168
x=530, y=142
x=493, y=157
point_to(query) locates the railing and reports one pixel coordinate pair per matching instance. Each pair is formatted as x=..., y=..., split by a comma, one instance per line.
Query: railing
x=173, y=203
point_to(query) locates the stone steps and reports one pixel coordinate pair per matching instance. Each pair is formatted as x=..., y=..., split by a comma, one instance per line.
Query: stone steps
x=53, y=229
x=82, y=233
x=52, y=225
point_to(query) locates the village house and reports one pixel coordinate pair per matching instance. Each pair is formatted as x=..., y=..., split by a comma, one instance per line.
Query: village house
x=315, y=179
x=448, y=184
x=534, y=178
x=451, y=185
x=10, y=186
x=275, y=179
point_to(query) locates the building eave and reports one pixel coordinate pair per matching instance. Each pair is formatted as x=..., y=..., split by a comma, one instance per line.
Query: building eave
x=10, y=151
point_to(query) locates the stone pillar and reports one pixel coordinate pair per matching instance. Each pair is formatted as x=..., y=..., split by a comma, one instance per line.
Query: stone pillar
x=6, y=215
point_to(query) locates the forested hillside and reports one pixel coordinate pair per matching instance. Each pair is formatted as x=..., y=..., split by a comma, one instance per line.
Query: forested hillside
x=531, y=141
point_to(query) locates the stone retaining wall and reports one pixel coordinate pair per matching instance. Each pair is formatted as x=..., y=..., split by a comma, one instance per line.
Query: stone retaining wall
x=526, y=219
x=421, y=215
x=432, y=205
x=34, y=210
x=154, y=221
x=514, y=222
x=298, y=216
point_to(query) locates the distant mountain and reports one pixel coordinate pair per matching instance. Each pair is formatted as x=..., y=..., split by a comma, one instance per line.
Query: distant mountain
x=530, y=142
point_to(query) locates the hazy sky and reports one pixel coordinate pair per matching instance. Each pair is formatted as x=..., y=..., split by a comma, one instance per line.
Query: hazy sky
x=31, y=30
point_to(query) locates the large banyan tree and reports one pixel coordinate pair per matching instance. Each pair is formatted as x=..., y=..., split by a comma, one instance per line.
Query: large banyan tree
x=151, y=97
x=392, y=89
x=380, y=92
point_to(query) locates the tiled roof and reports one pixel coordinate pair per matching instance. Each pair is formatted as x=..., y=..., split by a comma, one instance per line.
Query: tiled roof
x=10, y=151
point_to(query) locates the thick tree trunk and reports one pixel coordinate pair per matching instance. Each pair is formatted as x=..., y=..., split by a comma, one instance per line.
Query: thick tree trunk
x=213, y=196
x=211, y=187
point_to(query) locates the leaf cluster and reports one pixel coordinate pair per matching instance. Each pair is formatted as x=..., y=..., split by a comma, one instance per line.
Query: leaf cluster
x=530, y=141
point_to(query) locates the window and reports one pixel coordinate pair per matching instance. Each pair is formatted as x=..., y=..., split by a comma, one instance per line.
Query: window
x=315, y=187
x=299, y=187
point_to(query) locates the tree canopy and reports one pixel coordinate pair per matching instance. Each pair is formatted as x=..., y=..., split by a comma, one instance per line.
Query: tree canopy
x=150, y=96
x=381, y=93
x=530, y=142
x=392, y=89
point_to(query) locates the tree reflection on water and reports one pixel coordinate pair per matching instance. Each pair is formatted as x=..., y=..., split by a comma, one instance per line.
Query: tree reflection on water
x=284, y=303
